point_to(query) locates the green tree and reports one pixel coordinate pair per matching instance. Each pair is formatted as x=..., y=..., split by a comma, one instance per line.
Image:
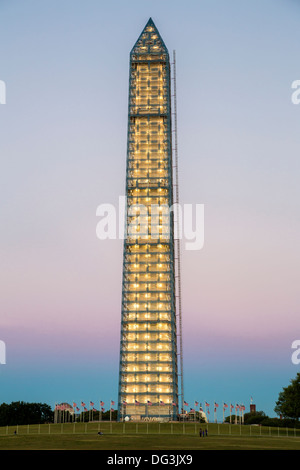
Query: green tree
x=96, y=416
x=288, y=403
x=256, y=417
x=20, y=412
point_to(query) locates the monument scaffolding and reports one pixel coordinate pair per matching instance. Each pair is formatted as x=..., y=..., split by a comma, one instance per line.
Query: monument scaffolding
x=148, y=369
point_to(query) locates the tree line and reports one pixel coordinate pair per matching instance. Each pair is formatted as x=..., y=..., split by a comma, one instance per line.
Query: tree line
x=287, y=407
x=261, y=419
x=20, y=412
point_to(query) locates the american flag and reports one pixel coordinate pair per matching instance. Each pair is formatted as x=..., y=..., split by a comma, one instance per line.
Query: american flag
x=102, y=409
x=174, y=404
x=124, y=402
x=82, y=404
x=112, y=403
x=225, y=406
x=101, y=403
x=161, y=402
x=74, y=405
x=185, y=403
x=77, y=409
x=149, y=402
x=85, y=409
x=206, y=404
x=94, y=409
x=216, y=405
x=192, y=410
x=91, y=403
x=196, y=403
x=137, y=402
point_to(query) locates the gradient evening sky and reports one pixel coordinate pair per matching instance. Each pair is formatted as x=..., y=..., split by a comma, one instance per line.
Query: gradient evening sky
x=63, y=136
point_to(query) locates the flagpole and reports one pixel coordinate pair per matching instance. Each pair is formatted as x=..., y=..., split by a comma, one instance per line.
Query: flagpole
x=123, y=409
x=158, y=409
x=92, y=404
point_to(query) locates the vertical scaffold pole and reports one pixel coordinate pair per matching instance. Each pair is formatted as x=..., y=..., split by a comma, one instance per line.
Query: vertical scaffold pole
x=177, y=241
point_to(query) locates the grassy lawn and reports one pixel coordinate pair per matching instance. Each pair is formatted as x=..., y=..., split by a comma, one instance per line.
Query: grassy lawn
x=143, y=442
x=116, y=436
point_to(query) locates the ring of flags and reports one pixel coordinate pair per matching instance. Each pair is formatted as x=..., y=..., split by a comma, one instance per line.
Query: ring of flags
x=237, y=408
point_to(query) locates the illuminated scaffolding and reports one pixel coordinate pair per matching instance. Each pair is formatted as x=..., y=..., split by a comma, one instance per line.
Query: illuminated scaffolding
x=148, y=376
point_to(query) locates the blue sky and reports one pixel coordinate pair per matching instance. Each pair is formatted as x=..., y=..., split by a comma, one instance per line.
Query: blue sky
x=63, y=134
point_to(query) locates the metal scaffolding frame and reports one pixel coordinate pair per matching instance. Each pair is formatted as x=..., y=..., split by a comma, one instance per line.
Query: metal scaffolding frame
x=177, y=240
x=148, y=369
